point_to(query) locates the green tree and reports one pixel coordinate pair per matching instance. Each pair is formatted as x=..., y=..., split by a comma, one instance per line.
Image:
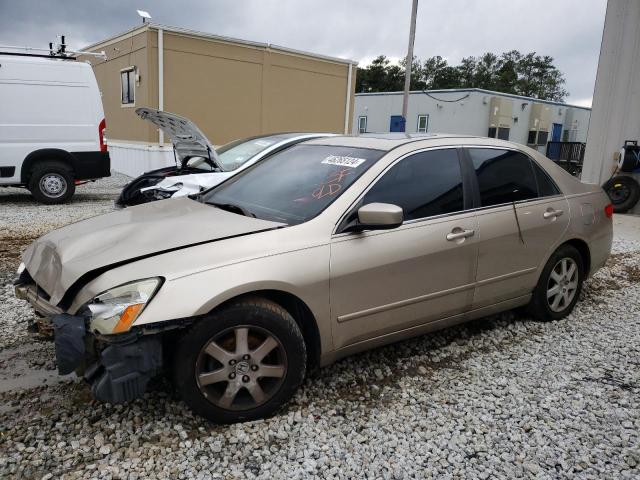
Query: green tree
x=466, y=72
x=531, y=75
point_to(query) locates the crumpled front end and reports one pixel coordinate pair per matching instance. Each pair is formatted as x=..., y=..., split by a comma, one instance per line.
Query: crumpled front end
x=118, y=367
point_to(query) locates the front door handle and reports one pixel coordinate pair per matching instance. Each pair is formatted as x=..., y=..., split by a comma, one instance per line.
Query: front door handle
x=551, y=213
x=458, y=233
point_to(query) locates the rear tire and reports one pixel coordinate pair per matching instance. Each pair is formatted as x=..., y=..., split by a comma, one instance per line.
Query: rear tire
x=623, y=191
x=559, y=286
x=52, y=183
x=240, y=363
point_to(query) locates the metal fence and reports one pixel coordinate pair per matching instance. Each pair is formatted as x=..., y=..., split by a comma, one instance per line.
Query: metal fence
x=568, y=155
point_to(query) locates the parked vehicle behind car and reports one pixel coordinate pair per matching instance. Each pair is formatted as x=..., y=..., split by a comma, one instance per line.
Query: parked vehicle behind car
x=199, y=165
x=330, y=247
x=52, y=125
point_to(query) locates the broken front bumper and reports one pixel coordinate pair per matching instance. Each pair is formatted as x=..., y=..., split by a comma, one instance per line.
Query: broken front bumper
x=30, y=293
x=118, y=370
x=117, y=367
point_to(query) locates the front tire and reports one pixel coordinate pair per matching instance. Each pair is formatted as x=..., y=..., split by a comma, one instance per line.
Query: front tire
x=559, y=286
x=52, y=183
x=240, y=363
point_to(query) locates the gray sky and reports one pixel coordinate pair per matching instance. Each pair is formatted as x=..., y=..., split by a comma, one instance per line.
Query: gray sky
x=568, y=30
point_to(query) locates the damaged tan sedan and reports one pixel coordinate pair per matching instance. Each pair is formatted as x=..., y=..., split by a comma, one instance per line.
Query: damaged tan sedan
x=331, y=247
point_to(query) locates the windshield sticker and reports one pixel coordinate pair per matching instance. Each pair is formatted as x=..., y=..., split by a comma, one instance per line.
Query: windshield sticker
x=344, y=161
x=332, y=185
x=263, y=143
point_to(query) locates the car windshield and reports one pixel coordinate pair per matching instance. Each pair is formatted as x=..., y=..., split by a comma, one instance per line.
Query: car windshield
x=295, y=185
x=233, y=155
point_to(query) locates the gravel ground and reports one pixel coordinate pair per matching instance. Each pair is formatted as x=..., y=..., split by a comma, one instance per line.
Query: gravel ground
x=501, y=397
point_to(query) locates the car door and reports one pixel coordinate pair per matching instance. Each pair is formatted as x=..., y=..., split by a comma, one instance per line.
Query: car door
x=388, y=280
x=521, y=216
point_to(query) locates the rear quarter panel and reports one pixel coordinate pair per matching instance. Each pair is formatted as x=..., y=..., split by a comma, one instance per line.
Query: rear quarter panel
x=590, y=224
x=588, y=221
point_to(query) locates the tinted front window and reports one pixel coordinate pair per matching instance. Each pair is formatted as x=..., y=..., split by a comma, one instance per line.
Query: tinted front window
x=504, y=176
x=296, y=184
x=425, y=184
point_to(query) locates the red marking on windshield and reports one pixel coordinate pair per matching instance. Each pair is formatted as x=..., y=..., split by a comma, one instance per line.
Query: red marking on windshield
x=332, y=185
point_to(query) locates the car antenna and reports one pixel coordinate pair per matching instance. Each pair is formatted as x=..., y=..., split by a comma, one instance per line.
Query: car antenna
x=515, y=214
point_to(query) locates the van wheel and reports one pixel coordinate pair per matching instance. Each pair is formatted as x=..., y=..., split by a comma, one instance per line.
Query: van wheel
x=559, y=285
x=240, y=363
x=52, y=183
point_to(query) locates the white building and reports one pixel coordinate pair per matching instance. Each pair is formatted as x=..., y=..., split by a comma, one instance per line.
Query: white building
x=616, y=100
x=473, y=111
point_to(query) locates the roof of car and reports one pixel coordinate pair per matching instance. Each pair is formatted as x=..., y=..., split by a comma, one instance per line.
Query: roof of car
x=382, y=141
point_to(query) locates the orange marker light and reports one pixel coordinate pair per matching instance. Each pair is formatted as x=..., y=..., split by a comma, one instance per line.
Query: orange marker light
x=127, y=318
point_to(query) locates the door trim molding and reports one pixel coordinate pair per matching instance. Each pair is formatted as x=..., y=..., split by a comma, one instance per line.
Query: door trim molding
x=402, y=303
x=411, y=301
x=505, y=276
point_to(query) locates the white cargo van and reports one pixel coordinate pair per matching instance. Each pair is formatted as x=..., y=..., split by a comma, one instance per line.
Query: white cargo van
x=51, y=125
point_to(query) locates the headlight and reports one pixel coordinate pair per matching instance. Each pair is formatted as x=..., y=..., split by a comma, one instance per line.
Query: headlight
x=21, y=268
x=116, y=309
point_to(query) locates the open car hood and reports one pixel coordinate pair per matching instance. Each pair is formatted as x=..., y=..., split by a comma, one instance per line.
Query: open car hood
x=188, y=140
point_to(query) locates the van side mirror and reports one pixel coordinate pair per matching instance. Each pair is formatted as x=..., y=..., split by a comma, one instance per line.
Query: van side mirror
x=379, y=216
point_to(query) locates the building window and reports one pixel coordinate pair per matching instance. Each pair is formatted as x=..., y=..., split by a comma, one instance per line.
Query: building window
x=492, y=132
x=423, y=123
x=362, y=124
x=543, y=137
x=127, y=85
x=503, y=133
x=531, y=139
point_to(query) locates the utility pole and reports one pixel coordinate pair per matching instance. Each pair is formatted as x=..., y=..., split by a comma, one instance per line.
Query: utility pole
x=407, y=70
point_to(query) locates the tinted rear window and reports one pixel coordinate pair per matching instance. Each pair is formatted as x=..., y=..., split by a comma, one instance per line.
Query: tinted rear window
x=546, y=186
x=504, y=176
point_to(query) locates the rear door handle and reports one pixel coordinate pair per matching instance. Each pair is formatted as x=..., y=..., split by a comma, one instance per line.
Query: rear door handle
x=457, y=234
x=552, y=213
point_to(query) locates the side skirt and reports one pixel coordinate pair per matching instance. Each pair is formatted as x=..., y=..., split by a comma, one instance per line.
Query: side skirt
x=418, y=330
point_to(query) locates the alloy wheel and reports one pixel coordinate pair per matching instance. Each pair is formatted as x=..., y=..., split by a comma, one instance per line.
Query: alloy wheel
x=562, y=284
x=241, y=368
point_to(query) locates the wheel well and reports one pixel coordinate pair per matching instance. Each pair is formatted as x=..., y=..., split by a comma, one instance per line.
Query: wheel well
x=46, y=154
x=300, y=312
x=583, y=249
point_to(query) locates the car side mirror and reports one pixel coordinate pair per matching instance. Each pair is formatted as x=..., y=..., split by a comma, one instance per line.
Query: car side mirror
x=379, y=216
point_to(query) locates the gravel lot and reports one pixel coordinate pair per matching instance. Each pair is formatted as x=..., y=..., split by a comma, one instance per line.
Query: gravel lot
x=501, y=397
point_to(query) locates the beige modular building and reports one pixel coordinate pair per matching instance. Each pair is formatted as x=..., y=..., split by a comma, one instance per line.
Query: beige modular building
x=230, y=88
